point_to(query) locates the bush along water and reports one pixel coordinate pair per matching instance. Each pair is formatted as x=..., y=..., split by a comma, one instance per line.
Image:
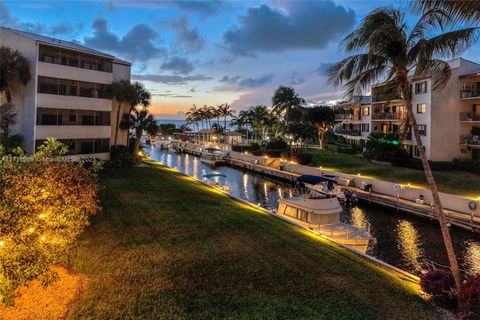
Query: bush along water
x=440, y=286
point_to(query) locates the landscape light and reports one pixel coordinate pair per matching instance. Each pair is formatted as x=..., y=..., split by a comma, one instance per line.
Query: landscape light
x=2, y=243
x=31, y=230
x=41, y=216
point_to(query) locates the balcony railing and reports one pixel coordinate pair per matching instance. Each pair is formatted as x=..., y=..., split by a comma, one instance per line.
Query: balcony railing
x=474, y=93
x=349, y=132
x=471, y=140
x=341, y=117
x=385, y=97
x=387, y=116
x=467, y=116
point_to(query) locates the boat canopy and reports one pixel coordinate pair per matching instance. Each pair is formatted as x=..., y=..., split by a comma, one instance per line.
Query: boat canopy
x=314, y=180
x=213, y=175
x=212, y=150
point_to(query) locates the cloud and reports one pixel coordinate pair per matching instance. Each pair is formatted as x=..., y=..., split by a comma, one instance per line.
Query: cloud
x=136, y=44
x=206, y=8
x=178, y=65
x=322, y=68
x=170, y=79
x=187, y=38
x=7, y=20
x=300, y=25
x=295, y=79
x=230, y=80
x=256, y=82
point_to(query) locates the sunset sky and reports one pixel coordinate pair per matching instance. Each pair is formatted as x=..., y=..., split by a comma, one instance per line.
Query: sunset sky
x=208, y=52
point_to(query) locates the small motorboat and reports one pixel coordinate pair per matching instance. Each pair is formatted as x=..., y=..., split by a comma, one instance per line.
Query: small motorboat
x=213, y=180
x=318, y=209
x=212, y=156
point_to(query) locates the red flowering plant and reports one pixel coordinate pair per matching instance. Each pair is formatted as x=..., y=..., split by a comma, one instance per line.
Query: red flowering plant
x=440, y=286
x=469, y=304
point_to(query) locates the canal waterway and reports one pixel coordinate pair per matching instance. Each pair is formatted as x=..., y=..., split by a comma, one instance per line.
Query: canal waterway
x=402, y=240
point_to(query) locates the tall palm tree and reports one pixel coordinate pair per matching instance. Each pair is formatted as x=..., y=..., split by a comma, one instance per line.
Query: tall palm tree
x=141, y=97
x=284, y=100
x=226, y=111
x=122, y=93
x=458, y=10
x=384, y=49
x=14, y=70
x=142, y=122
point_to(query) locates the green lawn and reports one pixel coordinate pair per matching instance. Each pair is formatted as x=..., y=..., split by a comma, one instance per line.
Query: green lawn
x=167, y=247
x=455, y=182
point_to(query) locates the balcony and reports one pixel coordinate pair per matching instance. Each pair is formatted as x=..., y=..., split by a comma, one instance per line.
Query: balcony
x=388, y=116
x=343, y=117
x=385, y=97
x=469, y=117
x=349, y=132
x=470, y=91
x=470, y=140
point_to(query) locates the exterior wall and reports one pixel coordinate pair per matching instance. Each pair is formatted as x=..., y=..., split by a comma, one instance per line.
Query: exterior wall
x=424, y=118
x=73, y=132
x=70, y=102
x=445, y=117
x=72, y=73
x=24, y=98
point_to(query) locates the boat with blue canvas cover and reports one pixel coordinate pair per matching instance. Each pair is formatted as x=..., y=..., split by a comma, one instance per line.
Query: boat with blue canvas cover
x=315, y=206
x=213, y=156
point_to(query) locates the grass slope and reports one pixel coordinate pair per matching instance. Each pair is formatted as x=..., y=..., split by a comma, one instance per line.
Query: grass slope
x=167, y=247
x=455, y=182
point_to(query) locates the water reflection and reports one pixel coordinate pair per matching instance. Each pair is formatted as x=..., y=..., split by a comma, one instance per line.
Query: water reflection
x=401, y=239
x=408, y=243
x=472, y=257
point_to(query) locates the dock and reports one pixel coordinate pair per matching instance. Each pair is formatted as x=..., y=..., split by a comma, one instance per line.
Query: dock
x=467, y=221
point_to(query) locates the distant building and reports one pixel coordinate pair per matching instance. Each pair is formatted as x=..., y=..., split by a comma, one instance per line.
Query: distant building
x=448, y=119
x=233, y=138
x=66, y=96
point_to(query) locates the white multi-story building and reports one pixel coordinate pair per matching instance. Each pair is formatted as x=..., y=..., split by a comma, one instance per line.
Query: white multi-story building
x=66, y=97
x=448, y=119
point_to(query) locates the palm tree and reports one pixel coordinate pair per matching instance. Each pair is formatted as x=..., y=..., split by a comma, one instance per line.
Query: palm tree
x=383, y=48
x=142, y=122
x=323, y=118
x=14, y=70
x=226, y=111
x=7, y=119
x=141, y=97
x=284, y=100
x=458, y=10
x=122, y=92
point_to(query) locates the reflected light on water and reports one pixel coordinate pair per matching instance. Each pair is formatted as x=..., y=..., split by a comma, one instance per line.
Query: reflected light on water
x=359, y=219
x=280, y=193
x=245, y=185
x=265, y=190
x=472, y=257
x=408, y=243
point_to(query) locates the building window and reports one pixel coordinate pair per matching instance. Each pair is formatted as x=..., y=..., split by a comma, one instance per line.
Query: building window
x=365, y=111
x=416, y=153
x=72, y=88
x=421, y=87
x=83, y=146
x=422, y=129
x=65, y=117
x=421, y=108
x=365, y=127
x=75, y=59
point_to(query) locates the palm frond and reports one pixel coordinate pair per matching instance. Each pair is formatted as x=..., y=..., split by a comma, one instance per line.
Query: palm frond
x=430, y=20
x=459, y=11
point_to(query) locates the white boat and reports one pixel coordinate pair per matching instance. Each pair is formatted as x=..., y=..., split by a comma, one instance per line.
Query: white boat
x=212, y=156
x=320, y=211
x=214, y=180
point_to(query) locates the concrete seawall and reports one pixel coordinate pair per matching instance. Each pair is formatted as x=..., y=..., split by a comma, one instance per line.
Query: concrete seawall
x=461, y=211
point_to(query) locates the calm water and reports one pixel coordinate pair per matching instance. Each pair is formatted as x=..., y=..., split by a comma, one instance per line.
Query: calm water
x=402, y=240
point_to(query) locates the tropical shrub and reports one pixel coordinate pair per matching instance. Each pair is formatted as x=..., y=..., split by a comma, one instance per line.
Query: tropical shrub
x=302, y=158
x=440, y=286
x=277, y=144
x=381, y=147
x=121, y=157
x=44, y=207
x=469, y=304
